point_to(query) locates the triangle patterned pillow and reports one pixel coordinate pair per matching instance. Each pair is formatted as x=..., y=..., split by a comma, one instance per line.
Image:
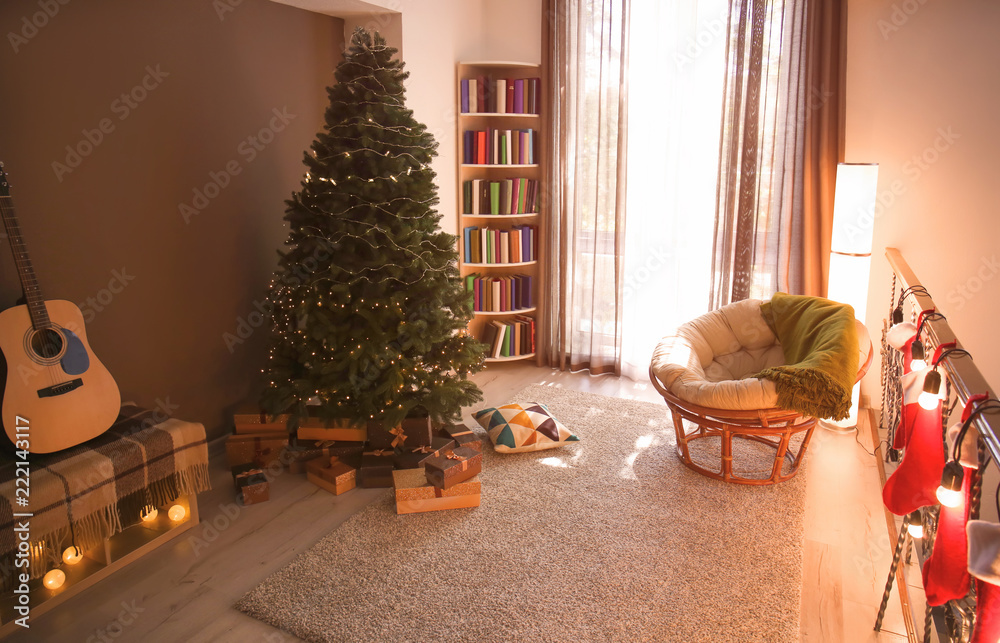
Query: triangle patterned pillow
x=515, y=428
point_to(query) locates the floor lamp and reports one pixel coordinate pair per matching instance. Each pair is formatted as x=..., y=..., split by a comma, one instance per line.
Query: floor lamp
x=851, y=252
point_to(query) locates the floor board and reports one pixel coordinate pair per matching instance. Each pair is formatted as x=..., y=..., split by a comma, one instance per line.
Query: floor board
x=185, y=592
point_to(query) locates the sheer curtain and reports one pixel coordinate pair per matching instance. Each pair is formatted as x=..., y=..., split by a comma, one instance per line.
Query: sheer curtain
x=780, y=146
x=587, y=60
x=676, y=73
x=727, y=111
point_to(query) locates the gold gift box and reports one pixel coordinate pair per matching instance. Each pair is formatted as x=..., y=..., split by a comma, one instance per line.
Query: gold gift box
x=415, y=495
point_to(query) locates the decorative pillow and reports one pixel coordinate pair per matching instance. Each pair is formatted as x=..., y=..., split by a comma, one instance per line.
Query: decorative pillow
x=515, y=428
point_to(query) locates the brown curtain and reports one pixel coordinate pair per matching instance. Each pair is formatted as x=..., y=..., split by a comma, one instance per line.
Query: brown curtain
x=779, y=148
x=586, y=62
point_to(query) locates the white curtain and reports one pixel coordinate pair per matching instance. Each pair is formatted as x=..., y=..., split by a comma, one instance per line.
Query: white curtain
x=676, y=78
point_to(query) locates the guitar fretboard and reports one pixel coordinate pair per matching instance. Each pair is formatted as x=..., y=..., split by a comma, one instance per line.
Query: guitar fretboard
x=25, y=271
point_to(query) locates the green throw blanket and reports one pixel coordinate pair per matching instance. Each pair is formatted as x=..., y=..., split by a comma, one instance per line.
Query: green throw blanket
x=820, y=342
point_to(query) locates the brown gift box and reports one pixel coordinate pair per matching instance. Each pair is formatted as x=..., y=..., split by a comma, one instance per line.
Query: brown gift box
x=334, y=476
x=463, y=436
x=260, y=422
x=445, y=471
x=376, y=468
x=261, y=449
x=414, y=495
x=253, y=487
x=411, y=432
x=414, y=458
x=320, y=429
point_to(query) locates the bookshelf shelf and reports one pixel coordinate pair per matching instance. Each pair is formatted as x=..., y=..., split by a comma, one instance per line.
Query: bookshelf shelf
x=510, y=359
x=519, y=311
x=509, y=264
x=496, y=165
x=500, y=216
x=500, y=105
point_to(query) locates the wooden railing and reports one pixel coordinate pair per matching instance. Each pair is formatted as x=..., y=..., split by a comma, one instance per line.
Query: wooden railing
x=944, y=623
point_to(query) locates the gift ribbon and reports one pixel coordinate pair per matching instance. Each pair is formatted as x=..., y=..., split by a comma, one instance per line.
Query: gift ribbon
x=400, y=436
x=423, y=449
x=464, y=463
x=455, y=434
x=380, y=452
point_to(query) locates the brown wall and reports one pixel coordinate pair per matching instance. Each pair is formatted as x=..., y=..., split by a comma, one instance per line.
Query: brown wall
x=213, y=80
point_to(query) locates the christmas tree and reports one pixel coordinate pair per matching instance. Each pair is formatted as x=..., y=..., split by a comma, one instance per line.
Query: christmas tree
x=368, y=309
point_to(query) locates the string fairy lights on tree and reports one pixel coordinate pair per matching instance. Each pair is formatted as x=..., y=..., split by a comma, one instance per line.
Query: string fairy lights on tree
x=368, y=309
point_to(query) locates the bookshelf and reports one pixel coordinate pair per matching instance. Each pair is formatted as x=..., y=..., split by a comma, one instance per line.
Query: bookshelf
x=500, y=214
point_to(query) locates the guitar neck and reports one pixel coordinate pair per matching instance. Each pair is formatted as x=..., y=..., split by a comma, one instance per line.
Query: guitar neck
x=25, y=271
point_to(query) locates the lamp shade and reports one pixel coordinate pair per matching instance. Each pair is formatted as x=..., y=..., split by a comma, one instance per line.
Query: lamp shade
x=854, y=208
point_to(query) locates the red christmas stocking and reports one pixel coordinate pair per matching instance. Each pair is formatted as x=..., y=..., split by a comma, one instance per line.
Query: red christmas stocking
x=908, y=413
x=914, y=483
x=984, y=565
x=946, y=574
x=987, y=629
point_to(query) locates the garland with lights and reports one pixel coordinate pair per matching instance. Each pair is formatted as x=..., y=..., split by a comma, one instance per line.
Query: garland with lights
x=369, y=310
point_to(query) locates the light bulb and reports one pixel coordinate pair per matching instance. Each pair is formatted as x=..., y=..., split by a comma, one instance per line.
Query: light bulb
x=928, y=401
x=949, y=494
x=148, y=513
x=177, y=513
x=72, y=555
x=917, y=354
x=930, y=396
x=54, y=578
x=916, y=526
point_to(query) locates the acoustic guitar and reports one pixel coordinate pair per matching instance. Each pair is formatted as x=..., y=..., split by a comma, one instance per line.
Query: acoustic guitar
x=55, y=385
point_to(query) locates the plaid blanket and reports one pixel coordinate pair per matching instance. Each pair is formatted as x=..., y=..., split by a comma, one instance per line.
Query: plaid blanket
x=90, y=492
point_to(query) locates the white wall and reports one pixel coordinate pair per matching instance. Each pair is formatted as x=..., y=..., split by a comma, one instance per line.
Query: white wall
x=922, y=91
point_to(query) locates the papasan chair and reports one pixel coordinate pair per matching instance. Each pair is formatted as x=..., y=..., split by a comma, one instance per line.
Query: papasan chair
x=706, y=372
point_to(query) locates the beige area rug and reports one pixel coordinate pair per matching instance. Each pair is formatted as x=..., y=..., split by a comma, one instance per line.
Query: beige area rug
x=607, y=539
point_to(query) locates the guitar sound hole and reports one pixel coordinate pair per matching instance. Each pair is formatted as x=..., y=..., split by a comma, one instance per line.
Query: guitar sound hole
x=47, y=343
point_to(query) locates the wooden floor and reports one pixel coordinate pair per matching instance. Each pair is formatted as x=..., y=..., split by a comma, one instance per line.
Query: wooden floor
x=185, y=591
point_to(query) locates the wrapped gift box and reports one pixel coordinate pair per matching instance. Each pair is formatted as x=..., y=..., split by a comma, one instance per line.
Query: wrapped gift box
x=407, y=458
x=241, y=469
x=415, y=495
x=411, y=432
x=296, y=457
x=260, y=422
x=447, y=470
x=376, y=468
x=463, y=436
x=320, y=429
x=261, y=449
x=253, y=487
x=333, y=475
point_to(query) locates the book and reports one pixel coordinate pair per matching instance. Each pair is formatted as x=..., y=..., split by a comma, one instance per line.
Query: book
x=473, y=92
x=481, y=148
x=464, y=99
x=518, y=96
x=481, y=88
x=501, y=95
x=494, y=197
x=510, y=96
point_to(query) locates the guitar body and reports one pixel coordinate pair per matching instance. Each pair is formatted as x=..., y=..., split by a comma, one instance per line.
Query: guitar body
x=54, y=380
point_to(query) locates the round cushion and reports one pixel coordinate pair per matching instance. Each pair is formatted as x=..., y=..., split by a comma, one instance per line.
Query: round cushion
x=710, y=360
